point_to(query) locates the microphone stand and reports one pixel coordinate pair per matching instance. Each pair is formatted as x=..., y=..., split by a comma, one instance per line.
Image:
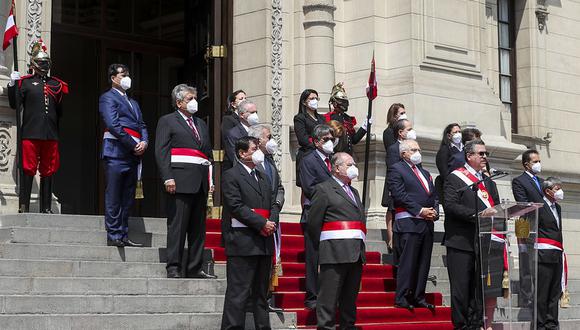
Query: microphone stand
x=474, y=187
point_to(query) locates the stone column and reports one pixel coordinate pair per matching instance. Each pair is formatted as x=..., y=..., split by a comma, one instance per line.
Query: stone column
x=319, y=46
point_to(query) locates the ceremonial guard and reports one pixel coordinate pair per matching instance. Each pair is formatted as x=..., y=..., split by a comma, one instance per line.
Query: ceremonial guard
x=339, y=105
x=38, y=97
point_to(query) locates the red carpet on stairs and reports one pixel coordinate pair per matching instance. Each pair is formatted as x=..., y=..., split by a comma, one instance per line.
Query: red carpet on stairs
x=375, y=301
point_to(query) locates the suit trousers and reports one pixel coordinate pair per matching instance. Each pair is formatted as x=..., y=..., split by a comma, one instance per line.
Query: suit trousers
x=549, y=292
x=466, y=312
x=525, y=295
x=414, y=250
x=339, y=284
x=311, y=256
x=248, y=280
x=186, y=218
x=121, y=179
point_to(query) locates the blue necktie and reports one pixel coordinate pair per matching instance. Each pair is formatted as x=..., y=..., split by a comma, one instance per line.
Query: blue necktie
x=537, y=183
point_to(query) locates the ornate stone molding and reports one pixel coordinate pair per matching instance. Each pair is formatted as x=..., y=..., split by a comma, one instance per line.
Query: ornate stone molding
x=277, y=77
x=34, y=24
x=5, y=146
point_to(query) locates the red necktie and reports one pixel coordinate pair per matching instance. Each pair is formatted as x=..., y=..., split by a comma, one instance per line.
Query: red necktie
x=194, y=130
x=327, y=161
x=416, y=171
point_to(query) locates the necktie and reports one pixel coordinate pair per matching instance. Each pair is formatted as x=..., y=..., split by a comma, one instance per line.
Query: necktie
x=537, y=183
x=194, y=130
x=416, y=171
x=253, y=175
x=349, y=192
x=555, y=211
x=268, y=169
x=327, y=162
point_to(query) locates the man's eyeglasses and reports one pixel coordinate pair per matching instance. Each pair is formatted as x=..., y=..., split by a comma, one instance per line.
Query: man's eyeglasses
x=326, y=139
x=481, y=153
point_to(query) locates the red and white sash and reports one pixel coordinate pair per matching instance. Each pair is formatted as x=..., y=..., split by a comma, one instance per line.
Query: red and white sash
x=192, y=156
x=402, y=213
x=264, y=213
x=550, y=244
x=134, y=134
x=469, y=179
x=343, y=230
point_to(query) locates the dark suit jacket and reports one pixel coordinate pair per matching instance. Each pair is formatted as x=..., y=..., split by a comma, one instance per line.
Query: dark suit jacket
x=331, y=203
x=460, y=219
x=242, y=193
x=448, y=158
x=174, y=132
x=303, y=128
x=313, y=171
x=548, y=228
x=232, y=137
x=526, y=190
x=229, y=121
x=117, y=114
x=275, y=185
x=388, y=138
x=408, y=193
x=393, y=155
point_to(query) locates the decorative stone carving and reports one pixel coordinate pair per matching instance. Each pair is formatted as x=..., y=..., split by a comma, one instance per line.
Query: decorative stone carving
x=5, y=146
x=541, y=14
x=277, y=77
x=34, y=24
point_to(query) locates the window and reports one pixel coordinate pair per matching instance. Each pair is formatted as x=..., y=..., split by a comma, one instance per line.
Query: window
x=507, y=67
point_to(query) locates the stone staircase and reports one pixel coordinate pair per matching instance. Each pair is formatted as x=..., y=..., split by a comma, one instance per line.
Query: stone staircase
x=56, y=272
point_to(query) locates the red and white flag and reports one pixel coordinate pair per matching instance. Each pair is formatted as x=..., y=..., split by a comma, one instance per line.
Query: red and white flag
x=372, y=83
x=11, y=30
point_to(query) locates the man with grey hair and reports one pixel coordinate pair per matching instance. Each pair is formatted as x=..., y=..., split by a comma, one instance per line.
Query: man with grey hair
x=551, y=264
x=184, y=158
x=248, y=113
x=314, y=169
x=416, y=207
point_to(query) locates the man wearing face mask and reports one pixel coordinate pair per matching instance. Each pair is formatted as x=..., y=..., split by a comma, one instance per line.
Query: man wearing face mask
x=339, y=102
x=527, y=188
x=460, y=234
x=184, y=158
x=402, y=130
x=337, y=229
x=551, y=260
x=248, y=114
x=39, y=98
x=416, y=207
x=314, y=168
x=247, y=228
x=124, y=142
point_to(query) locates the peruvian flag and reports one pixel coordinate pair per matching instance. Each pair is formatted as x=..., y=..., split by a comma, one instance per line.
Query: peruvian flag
x=372, y=83
x=11, y=30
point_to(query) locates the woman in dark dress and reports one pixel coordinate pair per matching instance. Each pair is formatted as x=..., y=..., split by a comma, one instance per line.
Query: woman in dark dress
x=450, y=155
x=304, y=123
x=396, y=111
x=229, y=120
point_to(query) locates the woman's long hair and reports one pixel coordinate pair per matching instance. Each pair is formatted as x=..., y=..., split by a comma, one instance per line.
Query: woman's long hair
x=392, y=113
x=303, y=97
x=445, y=140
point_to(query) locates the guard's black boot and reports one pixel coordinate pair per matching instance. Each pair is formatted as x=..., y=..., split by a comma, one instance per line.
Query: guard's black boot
x=45, y=198
x=24, y=193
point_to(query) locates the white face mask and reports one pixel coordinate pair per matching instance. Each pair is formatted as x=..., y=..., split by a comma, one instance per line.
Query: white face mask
x=559, y=195
x=416, y=158
x=402, y=116
x=271, y=146
x=537, y=168
x=313, y=104
x=125, y=83
x=411, y=135
x=192, y=106
x=352, y=172
x=456, y=138
x=258, y=157
x=253, y=119
x=328, y=147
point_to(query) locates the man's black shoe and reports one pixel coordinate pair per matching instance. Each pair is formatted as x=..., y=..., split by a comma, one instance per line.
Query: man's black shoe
x=129, y=242
x=274, y=309
x=115, y=242
x=311, y=305
x=425, y=305
x=405, y=306
x=204, y=275
x=173, y=273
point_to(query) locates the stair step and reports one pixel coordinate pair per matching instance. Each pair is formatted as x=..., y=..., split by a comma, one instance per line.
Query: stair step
x=109, y=286
x=287, y=283
x=173, y=321
x=292, y=269
x=295, y=299
x=391, y=315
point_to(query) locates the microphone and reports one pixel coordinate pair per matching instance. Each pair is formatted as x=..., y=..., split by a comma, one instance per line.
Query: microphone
x=494, y=171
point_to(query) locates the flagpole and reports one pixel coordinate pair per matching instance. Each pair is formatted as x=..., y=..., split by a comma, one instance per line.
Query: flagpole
x=19, y=167
x=368, y=134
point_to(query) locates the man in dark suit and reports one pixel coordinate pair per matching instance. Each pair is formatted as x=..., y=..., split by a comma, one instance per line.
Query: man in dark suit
x=314, y=168
x=184, y=157
x=527, y=188
x=460, y=234
x=403, y=130
x=263, y=156
x=550, y=250
x=248, y=228
x=416, y=207
x=229, y=121
x=337, y=229
x=248, y=114
x=124, y=142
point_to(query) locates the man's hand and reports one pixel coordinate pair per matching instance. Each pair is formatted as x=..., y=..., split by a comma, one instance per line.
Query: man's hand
x=170, y=186
x=14, y=76
x=488, y=212
x=268, y=228
x=428, y=213
x=140, y=148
